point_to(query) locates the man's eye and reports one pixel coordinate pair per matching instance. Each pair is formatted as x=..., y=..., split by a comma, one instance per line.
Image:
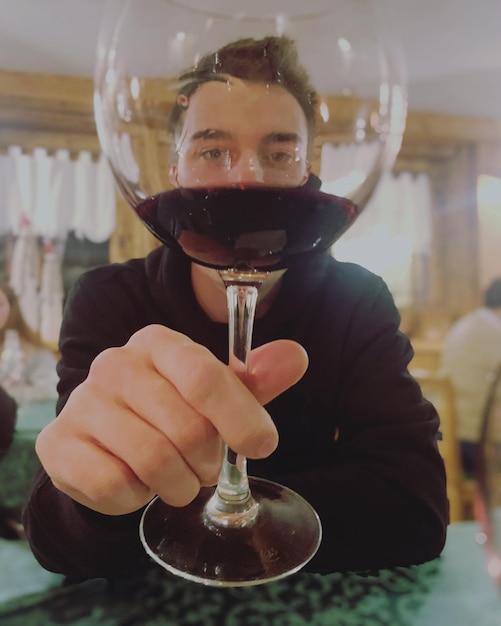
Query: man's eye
x=282, y=158
x=216, y=155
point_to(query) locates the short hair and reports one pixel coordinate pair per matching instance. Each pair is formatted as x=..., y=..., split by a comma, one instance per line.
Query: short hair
x=492, y=296
x=271, y=60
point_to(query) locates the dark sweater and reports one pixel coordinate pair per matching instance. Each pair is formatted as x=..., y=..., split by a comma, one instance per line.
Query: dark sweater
x=8, y=414
x=357, y=439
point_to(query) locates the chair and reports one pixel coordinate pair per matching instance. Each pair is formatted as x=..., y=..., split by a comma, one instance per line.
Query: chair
x=489, y=451
x=461, y=491
x=488, y=509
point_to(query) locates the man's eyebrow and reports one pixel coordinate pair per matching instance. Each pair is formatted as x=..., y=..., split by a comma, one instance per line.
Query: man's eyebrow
x=283, y=138
x=210, y=133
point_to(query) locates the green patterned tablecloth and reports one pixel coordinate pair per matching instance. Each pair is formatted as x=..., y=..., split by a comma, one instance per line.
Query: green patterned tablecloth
x=391, y=599
x=453, y=590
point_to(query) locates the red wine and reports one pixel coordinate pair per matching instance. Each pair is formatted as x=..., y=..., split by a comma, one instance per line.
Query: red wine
x=260, y=227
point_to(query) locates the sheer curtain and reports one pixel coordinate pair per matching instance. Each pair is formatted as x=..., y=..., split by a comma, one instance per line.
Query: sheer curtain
x=392, y=237
x=42, y=198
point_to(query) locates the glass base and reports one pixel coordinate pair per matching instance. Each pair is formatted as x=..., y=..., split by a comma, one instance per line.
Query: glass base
x=284, y=537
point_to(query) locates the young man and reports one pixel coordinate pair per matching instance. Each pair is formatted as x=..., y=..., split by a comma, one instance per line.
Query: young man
x=145, y=396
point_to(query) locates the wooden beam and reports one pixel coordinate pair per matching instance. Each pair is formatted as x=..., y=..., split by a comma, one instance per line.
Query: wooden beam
x=64, y=104
x=440, y=128
x=30, y=139
x=50, y=90
x=47, y=110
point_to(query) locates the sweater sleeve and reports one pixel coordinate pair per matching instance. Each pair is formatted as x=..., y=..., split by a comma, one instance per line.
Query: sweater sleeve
x=70, y=539
x=378, y=481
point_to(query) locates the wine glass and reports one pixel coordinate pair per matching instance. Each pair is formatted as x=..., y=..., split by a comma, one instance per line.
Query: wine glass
x=158, y=60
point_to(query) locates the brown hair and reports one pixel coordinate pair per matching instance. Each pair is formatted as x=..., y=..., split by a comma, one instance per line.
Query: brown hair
x=272, y=60
x=16, y=321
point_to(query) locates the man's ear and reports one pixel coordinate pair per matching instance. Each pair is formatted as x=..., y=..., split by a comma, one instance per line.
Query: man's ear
x=173, y=175
x=307, y=173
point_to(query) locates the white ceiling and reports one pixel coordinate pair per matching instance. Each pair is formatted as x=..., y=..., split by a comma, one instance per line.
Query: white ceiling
x=452, y=47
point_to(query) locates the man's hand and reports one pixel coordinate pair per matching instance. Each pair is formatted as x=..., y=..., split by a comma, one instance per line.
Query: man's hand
x=152, y=415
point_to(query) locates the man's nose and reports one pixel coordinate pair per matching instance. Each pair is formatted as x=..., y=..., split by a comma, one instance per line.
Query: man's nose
x=247, y=169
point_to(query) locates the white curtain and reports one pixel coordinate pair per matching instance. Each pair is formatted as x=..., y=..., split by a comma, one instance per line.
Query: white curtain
x=392, y=236
x=56, y=194
x=42, y=198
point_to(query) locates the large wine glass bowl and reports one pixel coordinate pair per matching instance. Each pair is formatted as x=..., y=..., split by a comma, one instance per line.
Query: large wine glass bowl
x=218, y=149
x=347, y=47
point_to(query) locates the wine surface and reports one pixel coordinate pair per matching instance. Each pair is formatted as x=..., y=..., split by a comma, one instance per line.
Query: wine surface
x=260, y=227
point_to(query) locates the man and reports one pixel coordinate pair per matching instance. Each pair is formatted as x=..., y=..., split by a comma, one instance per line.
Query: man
x=471, y=358
x=145, y=396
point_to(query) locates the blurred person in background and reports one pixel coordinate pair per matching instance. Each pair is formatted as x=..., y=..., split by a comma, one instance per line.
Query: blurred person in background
x=471, y=358
x=27, y=367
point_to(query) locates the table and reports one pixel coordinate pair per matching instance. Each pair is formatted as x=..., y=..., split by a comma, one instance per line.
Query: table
x=20, y=465
x=453, y=590
x=462, y=594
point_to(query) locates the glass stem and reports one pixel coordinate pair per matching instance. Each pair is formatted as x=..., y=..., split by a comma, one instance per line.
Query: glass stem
x=232, y=503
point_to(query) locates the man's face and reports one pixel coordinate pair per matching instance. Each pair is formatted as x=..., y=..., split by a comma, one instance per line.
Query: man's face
x=242, y=133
